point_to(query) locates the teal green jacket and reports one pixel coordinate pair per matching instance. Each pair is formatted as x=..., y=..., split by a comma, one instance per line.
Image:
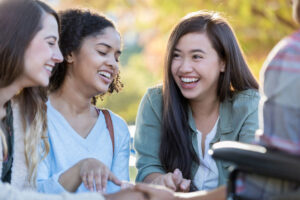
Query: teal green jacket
x=238, y=122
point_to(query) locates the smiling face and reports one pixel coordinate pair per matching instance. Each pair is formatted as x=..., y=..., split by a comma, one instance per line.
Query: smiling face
x=196, y=66
x=42, y=54
x=95, y=65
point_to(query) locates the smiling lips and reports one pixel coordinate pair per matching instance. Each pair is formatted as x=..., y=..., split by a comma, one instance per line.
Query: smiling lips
x=49, y=68
x=188, y=82
x=106, y=76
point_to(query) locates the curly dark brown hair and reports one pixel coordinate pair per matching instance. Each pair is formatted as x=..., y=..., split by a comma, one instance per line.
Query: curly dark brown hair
x=76, y=25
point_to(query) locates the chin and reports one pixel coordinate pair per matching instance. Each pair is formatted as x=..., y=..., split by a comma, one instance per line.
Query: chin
x=102, y=90
x=43, y=83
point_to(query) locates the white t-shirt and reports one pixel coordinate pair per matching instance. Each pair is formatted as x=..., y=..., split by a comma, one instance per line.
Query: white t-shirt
x=67, y=148
x=206, y=177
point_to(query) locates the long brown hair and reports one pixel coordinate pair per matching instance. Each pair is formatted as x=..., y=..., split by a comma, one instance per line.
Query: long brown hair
x=176, y=149
x=20, y=21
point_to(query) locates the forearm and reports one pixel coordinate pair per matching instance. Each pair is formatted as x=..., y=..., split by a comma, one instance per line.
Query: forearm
x=71, y=179
x=217, y=194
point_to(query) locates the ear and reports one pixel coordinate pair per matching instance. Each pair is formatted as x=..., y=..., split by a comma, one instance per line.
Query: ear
x=70, y=58
x=222, y=66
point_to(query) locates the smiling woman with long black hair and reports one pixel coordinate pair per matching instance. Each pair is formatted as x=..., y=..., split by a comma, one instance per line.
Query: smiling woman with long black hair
x=208, y=95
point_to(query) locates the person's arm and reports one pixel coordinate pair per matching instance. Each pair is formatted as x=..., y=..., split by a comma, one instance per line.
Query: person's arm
x=120, y=164
x=147, y=144
x=46, y=181
x=88, y=171
x=156, y=193
x=250, y=125
x=147, y=137
x=10, y=193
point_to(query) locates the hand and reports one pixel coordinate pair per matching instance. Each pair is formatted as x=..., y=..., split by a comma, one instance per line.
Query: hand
x=127, y=185
x=155, y=192
x=92, y=170
x=125, y=195
x=173, y=181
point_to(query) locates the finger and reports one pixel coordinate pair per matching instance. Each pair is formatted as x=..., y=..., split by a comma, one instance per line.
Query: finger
x=169, y=182
x=185, y=185
x=84, y=180
x=114, y=179
x=177, y=177
x=98, y=181
x=104, y=177
x=90, y=180
x=126, y=185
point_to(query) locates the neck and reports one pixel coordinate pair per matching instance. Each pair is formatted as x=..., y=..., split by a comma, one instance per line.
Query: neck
x=7, y=93
x=68, y=99
x=205, y=107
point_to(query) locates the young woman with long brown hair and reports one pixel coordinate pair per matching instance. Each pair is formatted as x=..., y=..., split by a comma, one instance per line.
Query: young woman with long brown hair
x=208, y=95
x=28, y=52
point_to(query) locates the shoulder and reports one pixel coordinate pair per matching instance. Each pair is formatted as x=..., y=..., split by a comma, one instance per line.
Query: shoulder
x=287, y=50
x=120, y=126
x=290, y=43
x=154, y=94
x=248, y=99
x=152, y=101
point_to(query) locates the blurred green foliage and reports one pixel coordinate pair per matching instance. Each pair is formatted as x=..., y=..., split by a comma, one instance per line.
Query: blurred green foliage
x=146, y=24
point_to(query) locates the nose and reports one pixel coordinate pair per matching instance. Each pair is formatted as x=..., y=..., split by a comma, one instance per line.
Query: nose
x=57, y=56
x=186, y=66
x=112, y=62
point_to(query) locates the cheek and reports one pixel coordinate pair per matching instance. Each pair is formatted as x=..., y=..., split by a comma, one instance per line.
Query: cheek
x=174, y=68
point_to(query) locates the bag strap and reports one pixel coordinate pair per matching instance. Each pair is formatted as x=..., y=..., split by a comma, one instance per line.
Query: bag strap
x=109, y=126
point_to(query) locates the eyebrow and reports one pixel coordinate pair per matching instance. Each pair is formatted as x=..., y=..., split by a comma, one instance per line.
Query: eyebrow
x=193, y=50
x=51, y=36
x=108, y=46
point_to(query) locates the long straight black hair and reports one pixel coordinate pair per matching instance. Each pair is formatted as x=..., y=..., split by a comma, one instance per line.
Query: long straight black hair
x=176, y=149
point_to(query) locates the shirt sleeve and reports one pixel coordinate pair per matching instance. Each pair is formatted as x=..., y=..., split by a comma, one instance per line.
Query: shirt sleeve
x=120, y=166
x=10, y=193
x=147, y=139
x=47, y=182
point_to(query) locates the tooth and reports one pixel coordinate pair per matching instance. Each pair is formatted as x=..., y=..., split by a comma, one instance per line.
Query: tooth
x=189, y=80
x=106, y=74
x=49, y=68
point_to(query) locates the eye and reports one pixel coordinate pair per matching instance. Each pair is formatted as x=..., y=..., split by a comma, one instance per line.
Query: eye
x=102, y=53
x=176, y=55
x=51, y=43
x=197, y=56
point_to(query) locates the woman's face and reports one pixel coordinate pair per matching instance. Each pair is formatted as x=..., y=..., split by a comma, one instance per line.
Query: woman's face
x=196, y=66
x=95, y=65
x=42, y=54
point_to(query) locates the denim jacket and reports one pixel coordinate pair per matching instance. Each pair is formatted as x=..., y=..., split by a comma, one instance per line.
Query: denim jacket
x=238, y=122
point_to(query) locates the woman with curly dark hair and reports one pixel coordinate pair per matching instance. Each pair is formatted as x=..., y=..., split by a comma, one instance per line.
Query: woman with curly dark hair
x=89, y=147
